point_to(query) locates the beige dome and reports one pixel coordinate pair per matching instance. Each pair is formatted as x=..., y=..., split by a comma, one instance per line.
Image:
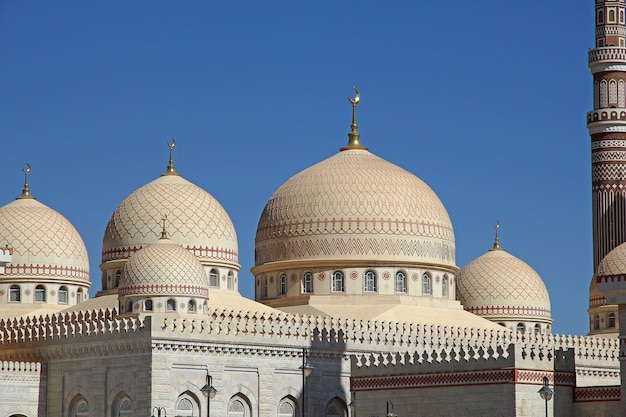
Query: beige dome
x=195, y=220
x=46, y=245
x=355, y=206
x=614, y=263
x=596, y=298
x=163, y=268
x=498, y=286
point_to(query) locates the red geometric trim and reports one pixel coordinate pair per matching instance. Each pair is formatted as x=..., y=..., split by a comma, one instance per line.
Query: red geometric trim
x=610, y=278
x=437, y=379
x=47, y=270
x=597, y=301
x=590, y=394
x=509, y=310
x=198, y=251
x=164, y=289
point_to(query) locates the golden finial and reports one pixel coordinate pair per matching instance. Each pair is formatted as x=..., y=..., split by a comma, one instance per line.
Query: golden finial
x=496, y=244
x=164, y=231
x=26, y=190
x=354, y=135
x=170, y=168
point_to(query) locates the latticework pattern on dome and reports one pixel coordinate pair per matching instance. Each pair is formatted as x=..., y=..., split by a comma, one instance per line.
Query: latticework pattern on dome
x=46, y=244
x=614, y=263
x=596, y=298
x=499, y=284
x=195, y=219
x=163, y=268
x=351, y=205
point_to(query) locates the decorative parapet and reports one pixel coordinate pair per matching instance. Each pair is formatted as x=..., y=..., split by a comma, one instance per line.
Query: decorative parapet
x=66, y=325
x=610, y=53
x=20, y=367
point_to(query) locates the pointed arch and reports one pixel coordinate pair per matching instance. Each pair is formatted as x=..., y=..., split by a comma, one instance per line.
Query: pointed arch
x=336, y=407
x=239, y=406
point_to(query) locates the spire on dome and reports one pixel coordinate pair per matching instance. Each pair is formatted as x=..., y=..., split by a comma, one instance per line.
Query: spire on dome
x=164, y=231
x=26, y=190
x=170, y=168
x=496, y=244
x=354, y=135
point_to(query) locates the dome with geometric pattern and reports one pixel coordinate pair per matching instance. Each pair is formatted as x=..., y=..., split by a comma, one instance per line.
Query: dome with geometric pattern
x=163, y=268
x=46, y=246
x=196, y=220
x=355, y=206
x=502, y=288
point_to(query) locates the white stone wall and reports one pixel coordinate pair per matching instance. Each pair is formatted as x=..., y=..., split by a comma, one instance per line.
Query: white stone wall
x=22, y=389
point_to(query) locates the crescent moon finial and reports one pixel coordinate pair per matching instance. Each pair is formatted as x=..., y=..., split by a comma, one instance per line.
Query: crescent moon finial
x=356, y=98
x=25, y=190
x=496, y=244
x=164, y=231
x=171, y=143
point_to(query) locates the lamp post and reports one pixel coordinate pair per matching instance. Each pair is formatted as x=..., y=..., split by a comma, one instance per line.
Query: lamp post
x=306, y=369
x=209, y=392
x=390, y=413
x=546, y=393
x=353, y=405
x=159, y=409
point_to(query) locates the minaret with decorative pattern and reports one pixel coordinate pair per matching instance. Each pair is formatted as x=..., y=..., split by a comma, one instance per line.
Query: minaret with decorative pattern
x=607, y=127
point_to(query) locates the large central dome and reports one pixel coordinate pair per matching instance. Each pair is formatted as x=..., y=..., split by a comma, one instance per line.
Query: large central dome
x=355, y=205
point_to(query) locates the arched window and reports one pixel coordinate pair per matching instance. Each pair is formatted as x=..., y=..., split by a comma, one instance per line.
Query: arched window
x=213, y=278
x=79, y=295
x=610, y=320
x=596, y=322
x=612, y=92
x=604, y=99
x=370, y=281
x=187, y=406
x=596, y=95
x=170, y=305
x=444, y=286
x=123, y=407
x=118, y=276
x=611, y=16
x=600, y=17
x=40, y=294
x=287, y=408
x=63, y=295
x=238, y=407
x=264, y=292
x=621, y=100
x=282, y=285
x=336, y=408
x=148, y=305
x=537, y=329
x=307, y=283
x=400, y=281
x=425, y=284
x=129, y=306
x=231, y=280
x=191, y=306
x=521, y=328
x=79, y=408
x=15, y=294
x=337, y=285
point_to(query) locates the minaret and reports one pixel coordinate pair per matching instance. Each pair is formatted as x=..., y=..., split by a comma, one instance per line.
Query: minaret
x=607, y=128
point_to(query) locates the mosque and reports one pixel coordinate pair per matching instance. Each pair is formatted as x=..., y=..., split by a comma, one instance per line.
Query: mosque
x=360, y=308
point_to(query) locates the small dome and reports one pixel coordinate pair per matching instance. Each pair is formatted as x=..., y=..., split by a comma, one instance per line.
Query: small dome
x=596, y=298
x=196, y=220
x=163, y=268
x=46, y=245
x=499, y=286
x=614, y=263
x=355, y=206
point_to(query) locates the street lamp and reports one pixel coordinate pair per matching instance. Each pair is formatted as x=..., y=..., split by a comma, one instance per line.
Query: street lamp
x=209, y=392
x=390, y=413
x=159, y=409
x=353, y=404
x=546, y=393
x=306, y=369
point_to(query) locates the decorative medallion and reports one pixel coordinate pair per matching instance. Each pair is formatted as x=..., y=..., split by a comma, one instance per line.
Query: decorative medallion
x=1, y=292
x=223, y=277
x=386, y=275
x=293, y=277
x=437, y=279
x=354, y=275
x=321, y=276
x=109, y=278
x=53, y=293
x=272, y=279
x=182, y=306
x=414, y=277
x=72, y=294
x=159, y=305
x=27, y=292
x=136, y=306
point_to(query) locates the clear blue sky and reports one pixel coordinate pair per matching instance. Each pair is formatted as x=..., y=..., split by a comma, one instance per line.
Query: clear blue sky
x=485, y=101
